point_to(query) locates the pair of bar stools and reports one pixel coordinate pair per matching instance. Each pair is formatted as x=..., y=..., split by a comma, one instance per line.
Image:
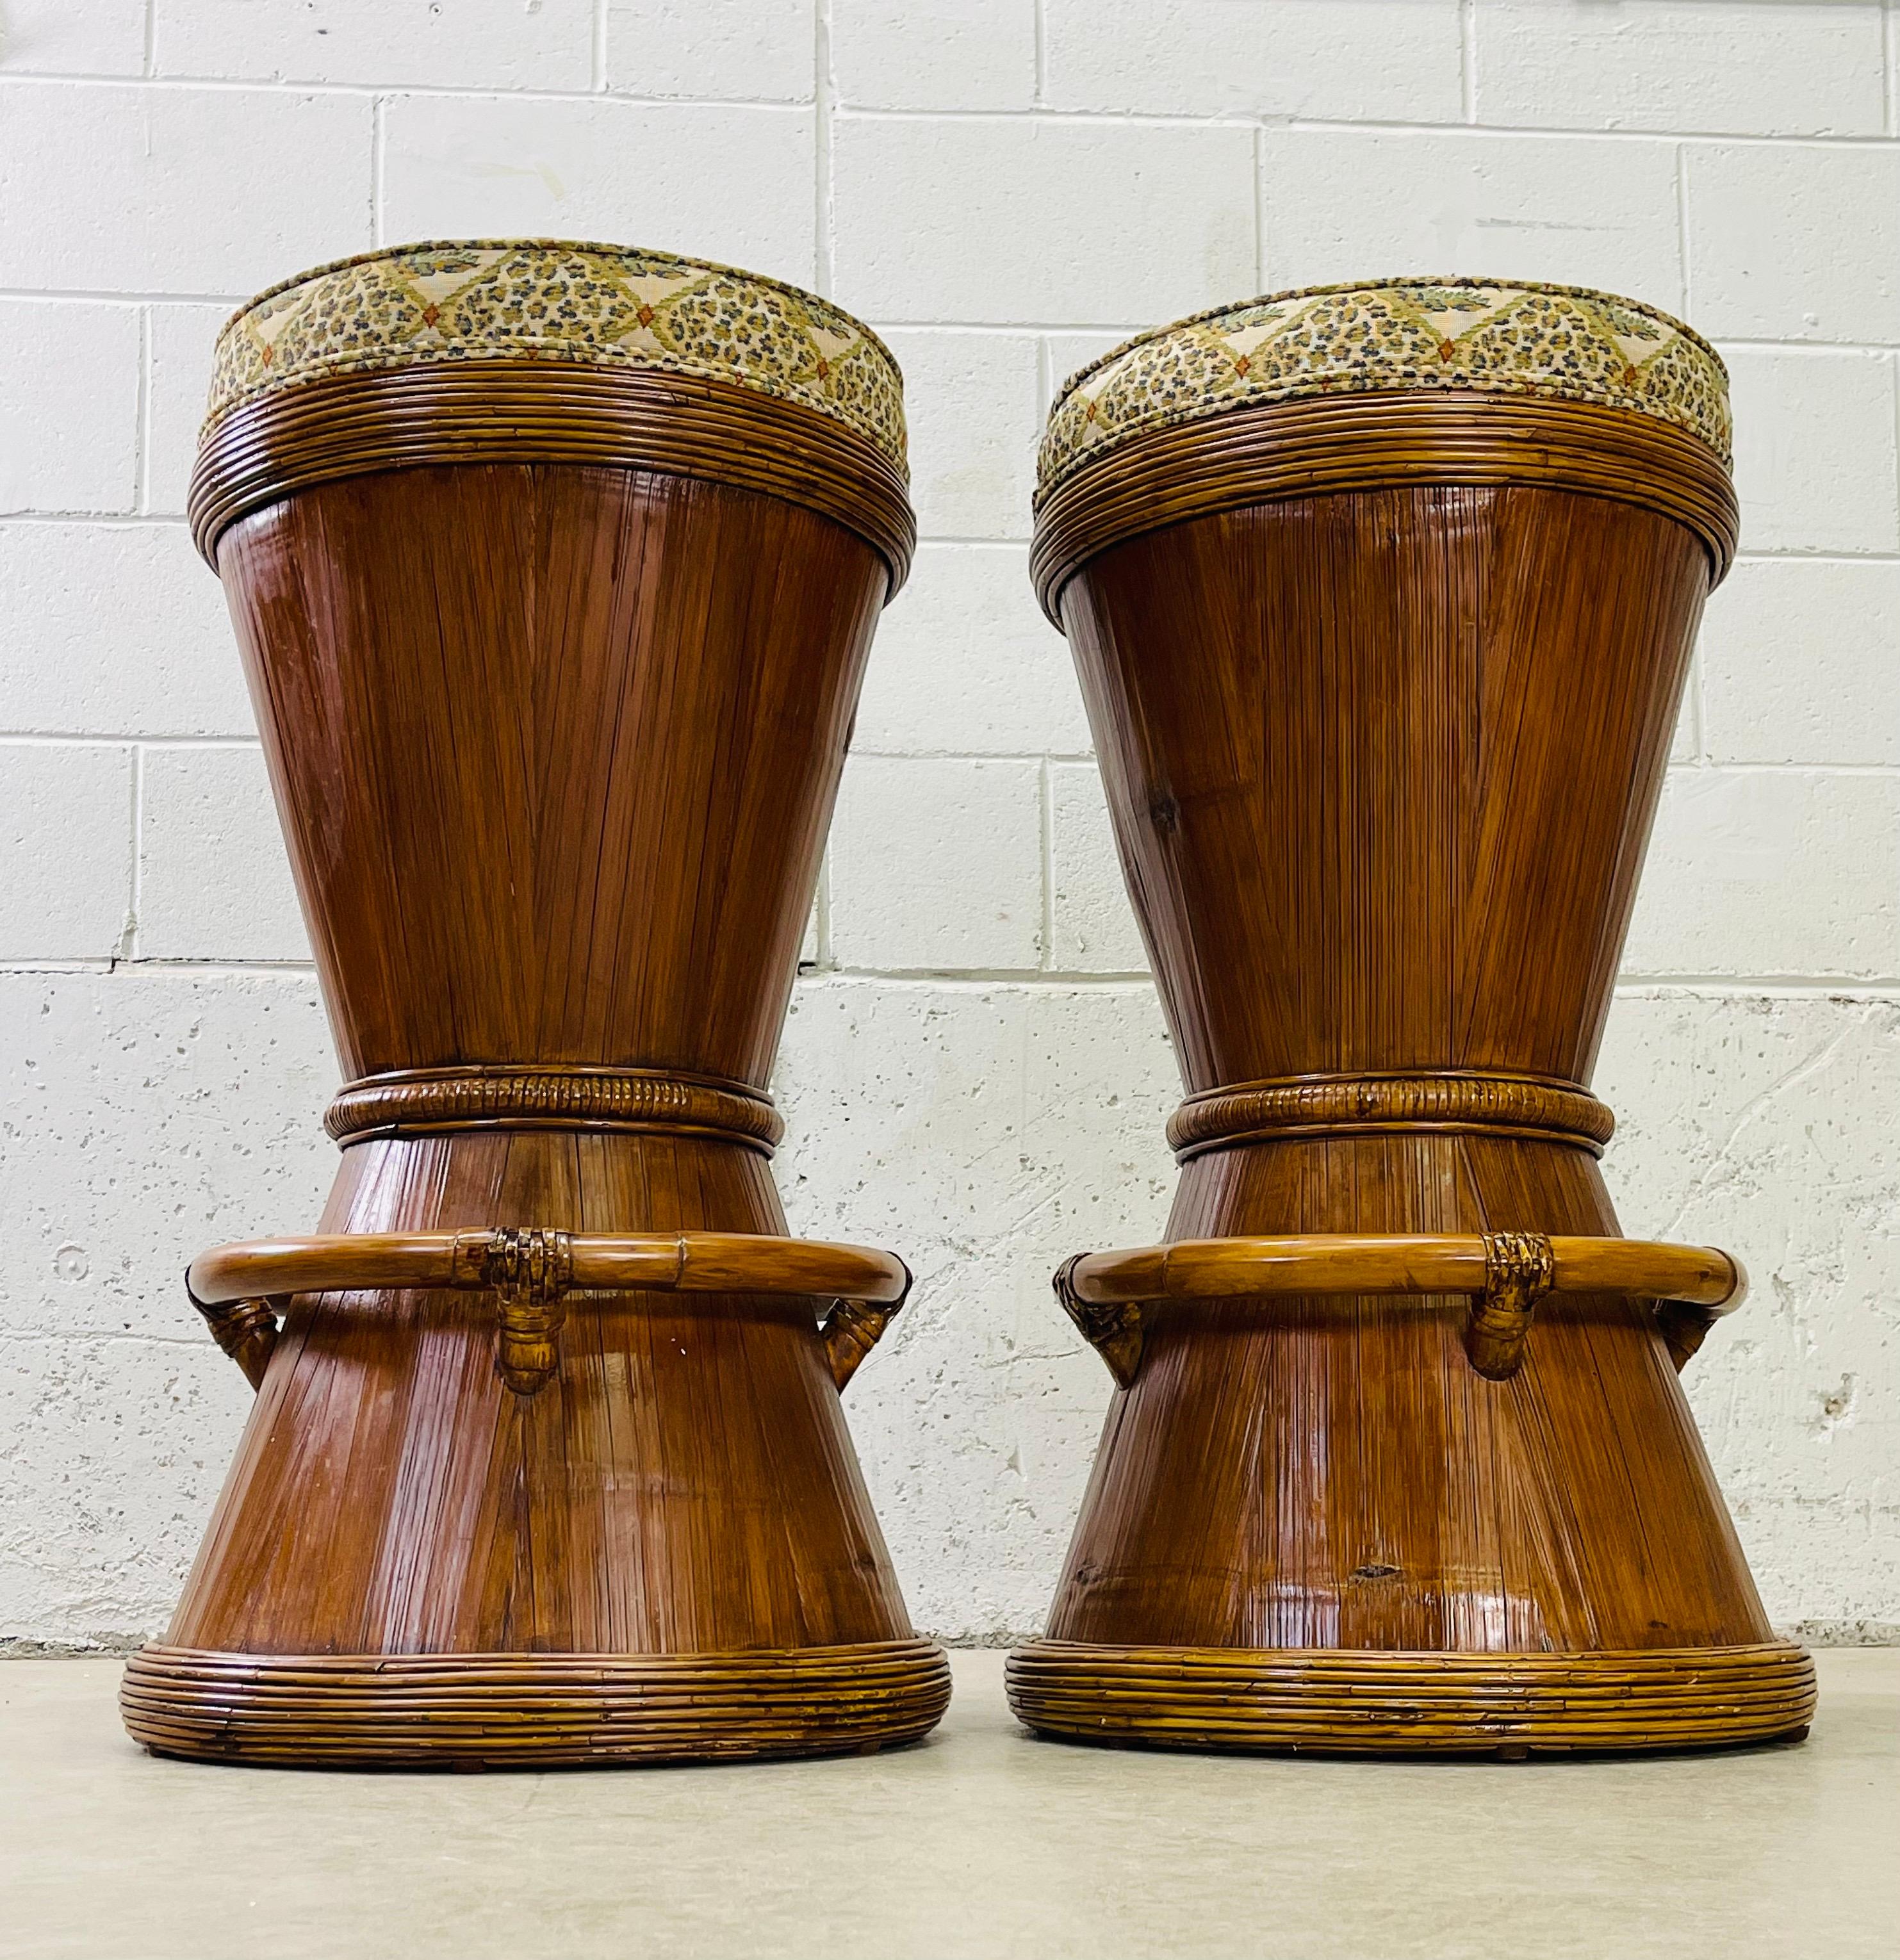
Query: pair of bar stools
x=555, y=569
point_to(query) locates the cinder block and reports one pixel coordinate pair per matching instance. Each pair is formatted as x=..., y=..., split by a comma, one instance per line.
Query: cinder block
x=713, y=50
x=446, y=44
x=1794, y=241
x=964, y=664
x=1771, y=874
x=1675, y=65
x=1383, y=60
x=963, y=55
x=214, y=881
x=133, y=1440
x=1798, y=663
x=982, y=1074
x=1762, y=1124
x=1095, y=931
x=711, y=180
x=147, y=1117
x=182, y=339
x=183, y=190
x=1815, y=465
x=937, y=866
x=65, y=842
x=972, y=401
x=114, y=630
x=1589, y=213
x=151, y=1114
x=1030, y=219
x=73, y=37
x=68, y=406
x=986, y=1133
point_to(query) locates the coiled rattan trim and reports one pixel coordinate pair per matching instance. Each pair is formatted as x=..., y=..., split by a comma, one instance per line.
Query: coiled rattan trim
x=1372, y=441
x=1364, y=1702
x=421, y=1100
x=1331, y=1105
x=523, y=412
x=531, y=1711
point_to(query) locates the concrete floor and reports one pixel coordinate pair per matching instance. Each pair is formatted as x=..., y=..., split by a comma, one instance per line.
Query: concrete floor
x=982, y=1841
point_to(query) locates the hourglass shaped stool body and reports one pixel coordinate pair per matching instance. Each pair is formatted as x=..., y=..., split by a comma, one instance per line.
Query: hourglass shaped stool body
x=555, y=568
x=1382, y=599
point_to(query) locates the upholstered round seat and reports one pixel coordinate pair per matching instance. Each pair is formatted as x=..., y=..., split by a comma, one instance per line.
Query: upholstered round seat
x=527, y=350
x=552, y=299
x=1565, y=343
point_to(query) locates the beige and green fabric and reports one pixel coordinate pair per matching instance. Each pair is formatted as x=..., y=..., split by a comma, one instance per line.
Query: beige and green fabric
x=1518, y=338
x=542, y=299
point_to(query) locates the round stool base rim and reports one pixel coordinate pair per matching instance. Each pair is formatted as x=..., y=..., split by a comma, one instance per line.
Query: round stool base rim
x=484, y=1711
x=1355, y=1701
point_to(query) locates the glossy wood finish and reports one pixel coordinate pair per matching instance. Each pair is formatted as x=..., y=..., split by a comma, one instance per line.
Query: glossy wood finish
x=1509, y=1275
x=555, y=778
x=239, y=1289
x=1443, y=1102
x=685, y=1486
x=555, y=684
x=1382, y=762
x=649, y=1262
x=1419, y=1263
x=1367, y=1702
x=548, y=1711
x=503, y=411
x=1437, y=439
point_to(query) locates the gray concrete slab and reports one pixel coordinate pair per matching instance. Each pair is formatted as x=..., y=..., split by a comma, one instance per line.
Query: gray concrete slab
x=982, y=1842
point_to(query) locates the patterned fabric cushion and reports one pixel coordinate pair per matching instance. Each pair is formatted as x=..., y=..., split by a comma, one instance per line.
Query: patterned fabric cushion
x=1516, y=338
x=544, y=299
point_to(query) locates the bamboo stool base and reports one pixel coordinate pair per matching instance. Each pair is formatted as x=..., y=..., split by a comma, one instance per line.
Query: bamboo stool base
x=480, y=1711
x=1361, y=1702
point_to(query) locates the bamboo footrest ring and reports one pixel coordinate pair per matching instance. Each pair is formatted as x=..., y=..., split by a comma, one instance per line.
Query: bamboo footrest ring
x=241, y=1289
x=1506, y=1273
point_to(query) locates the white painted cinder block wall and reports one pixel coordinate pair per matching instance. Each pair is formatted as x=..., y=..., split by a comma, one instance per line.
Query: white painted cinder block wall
x=975, y=1069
